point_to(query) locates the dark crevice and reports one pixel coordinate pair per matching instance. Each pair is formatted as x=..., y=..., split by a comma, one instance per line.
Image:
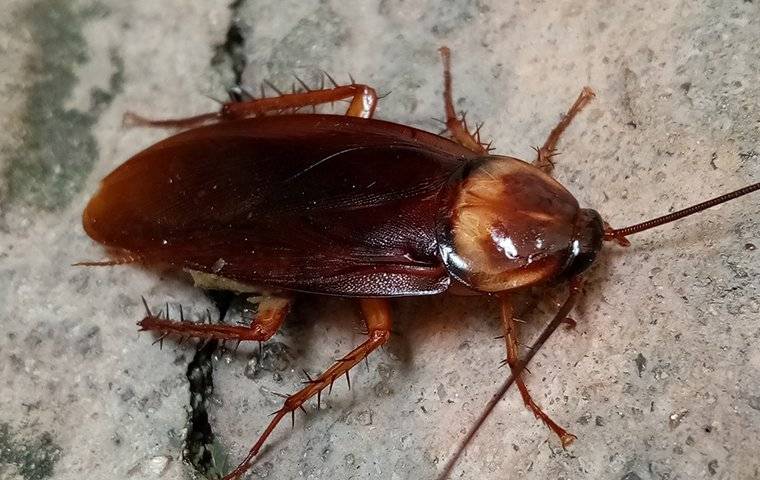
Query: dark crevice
x=200, y=445
x=199, y=435
x=231, y=53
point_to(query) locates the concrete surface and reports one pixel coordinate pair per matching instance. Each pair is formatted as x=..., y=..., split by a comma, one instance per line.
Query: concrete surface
x=661, y=378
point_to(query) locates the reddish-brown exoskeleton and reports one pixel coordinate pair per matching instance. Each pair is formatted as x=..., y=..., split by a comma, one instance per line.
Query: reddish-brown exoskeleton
x=260, y=198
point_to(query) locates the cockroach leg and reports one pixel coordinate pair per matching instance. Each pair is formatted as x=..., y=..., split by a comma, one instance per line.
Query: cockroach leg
x=457, y=127
x=272, y=312
x=511, y=337
x=548, y=150
x=363, y=103
x=576, y=285
x=378, y=319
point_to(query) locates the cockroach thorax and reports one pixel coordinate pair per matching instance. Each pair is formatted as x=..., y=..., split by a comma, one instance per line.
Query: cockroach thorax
x=511, y=225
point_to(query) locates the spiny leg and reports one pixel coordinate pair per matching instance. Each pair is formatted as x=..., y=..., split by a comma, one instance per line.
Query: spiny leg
x=378, y=320
x=272, y=312
x=547, y=151
x=510, y=336
x=363, y=103
x=457, y=128
x=576, y=283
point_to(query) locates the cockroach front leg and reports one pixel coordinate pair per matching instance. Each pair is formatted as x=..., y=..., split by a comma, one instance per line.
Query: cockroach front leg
x=363, y=103
x=510, y=336
x=548, y=150
x=272, y=312
x=378, y=320
x=457, y=127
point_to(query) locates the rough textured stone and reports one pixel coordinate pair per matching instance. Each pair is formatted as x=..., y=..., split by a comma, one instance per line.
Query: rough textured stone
x=78, y=386
x=666, y=326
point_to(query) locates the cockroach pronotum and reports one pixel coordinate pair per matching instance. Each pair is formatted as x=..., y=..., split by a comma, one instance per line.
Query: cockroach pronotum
x=259, y=197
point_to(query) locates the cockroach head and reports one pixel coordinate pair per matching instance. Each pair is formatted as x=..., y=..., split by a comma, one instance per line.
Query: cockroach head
x=586, y=244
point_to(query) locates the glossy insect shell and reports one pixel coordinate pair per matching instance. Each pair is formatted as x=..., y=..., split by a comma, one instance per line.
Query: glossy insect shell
x=506, y=224
x=336, y=205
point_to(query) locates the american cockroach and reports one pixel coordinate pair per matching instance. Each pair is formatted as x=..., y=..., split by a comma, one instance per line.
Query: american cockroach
x=259, y=197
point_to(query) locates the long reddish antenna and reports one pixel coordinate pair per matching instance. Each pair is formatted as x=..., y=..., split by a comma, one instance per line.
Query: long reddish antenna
x=619, y=234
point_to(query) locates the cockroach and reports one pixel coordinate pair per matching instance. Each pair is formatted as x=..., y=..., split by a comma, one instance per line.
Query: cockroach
x=261, y=197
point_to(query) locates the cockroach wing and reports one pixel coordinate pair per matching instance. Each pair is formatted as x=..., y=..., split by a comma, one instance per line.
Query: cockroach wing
x=315, y=203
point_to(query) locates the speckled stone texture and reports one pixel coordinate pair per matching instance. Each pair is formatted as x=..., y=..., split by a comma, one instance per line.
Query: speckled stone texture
x=661, y=377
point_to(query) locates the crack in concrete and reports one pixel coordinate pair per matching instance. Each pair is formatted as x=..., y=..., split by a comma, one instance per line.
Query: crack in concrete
x=200, y=437
x=231, y=54
x=201, y=449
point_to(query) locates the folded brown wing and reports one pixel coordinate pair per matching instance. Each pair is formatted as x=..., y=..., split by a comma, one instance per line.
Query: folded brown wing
x=317, y=203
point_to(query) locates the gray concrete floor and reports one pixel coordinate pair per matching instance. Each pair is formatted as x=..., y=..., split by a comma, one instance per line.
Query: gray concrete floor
x=661, y=378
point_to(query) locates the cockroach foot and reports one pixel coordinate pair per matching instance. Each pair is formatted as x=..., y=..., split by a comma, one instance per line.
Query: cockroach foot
x=570, y=324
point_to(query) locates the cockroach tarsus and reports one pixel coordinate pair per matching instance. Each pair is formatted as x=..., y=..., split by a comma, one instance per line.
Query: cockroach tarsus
x=259, y=198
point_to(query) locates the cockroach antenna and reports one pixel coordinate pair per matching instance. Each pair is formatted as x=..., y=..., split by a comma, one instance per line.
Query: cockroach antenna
x=619, y=234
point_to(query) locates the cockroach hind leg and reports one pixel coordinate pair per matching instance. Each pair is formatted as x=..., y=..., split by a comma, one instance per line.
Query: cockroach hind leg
x=456, y=126
x=377, y=317
x=262, y=327
x=512, y=342
x=545, y=153
x=362, y=98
